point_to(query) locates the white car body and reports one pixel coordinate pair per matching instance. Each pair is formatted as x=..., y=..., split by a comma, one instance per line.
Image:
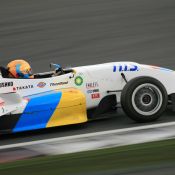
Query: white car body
x=104, y=77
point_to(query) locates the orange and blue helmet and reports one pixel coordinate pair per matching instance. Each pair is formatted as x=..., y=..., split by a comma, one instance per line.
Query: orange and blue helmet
x=19, y=69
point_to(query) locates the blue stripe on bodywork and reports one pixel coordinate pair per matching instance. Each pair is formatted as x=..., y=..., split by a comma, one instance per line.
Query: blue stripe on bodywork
x=38, y=111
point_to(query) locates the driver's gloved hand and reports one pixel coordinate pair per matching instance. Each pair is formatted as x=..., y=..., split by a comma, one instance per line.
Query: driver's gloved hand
x=58, y=71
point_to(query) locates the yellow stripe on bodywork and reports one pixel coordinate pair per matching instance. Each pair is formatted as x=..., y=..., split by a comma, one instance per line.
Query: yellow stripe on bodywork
x=70, y=110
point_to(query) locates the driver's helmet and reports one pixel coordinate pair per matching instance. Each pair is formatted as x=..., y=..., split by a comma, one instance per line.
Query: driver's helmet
x=19, y=69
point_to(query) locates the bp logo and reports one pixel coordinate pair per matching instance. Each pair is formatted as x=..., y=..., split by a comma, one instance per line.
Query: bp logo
x=78, y=81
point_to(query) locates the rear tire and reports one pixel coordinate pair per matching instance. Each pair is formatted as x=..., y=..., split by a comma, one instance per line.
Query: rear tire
x=144, y=99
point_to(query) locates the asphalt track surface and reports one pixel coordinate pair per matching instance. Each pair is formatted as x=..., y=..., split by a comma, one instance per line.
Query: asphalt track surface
x=81, y=32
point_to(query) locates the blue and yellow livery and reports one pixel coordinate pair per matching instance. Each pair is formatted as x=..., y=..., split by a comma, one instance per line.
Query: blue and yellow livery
x=50, y=109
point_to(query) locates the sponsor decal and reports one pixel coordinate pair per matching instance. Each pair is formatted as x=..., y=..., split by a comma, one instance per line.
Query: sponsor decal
x=6, y=84
x=125, y=68
x=91, y=85
x=24, y=87
x=78, y=80
x=41, y=85
x=95, y=96
x=92, y=91
x=59, y=83
x=14, y=89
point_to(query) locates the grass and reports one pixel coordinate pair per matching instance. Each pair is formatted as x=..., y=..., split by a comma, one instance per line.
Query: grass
x=120, y=158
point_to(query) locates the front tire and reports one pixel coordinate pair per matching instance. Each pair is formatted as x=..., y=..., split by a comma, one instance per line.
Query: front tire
x=144, y=99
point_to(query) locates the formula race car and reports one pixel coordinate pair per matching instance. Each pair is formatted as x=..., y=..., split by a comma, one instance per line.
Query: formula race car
x=79, y=94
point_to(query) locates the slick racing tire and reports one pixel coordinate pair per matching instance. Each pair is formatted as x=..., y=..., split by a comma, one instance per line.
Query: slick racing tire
x=144, y=99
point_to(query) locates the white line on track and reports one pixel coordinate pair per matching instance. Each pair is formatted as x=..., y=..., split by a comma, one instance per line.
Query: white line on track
x=117, y=131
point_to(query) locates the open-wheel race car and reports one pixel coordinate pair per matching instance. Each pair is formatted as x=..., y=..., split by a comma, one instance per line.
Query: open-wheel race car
x=81, y=93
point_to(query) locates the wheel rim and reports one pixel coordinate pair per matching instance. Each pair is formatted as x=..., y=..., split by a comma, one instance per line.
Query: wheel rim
x=147, y=99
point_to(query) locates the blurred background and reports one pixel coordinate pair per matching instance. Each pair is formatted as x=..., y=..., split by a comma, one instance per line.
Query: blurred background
x=80, y=32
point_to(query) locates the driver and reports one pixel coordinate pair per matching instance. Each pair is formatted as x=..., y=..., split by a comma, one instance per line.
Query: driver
x=19, y=69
